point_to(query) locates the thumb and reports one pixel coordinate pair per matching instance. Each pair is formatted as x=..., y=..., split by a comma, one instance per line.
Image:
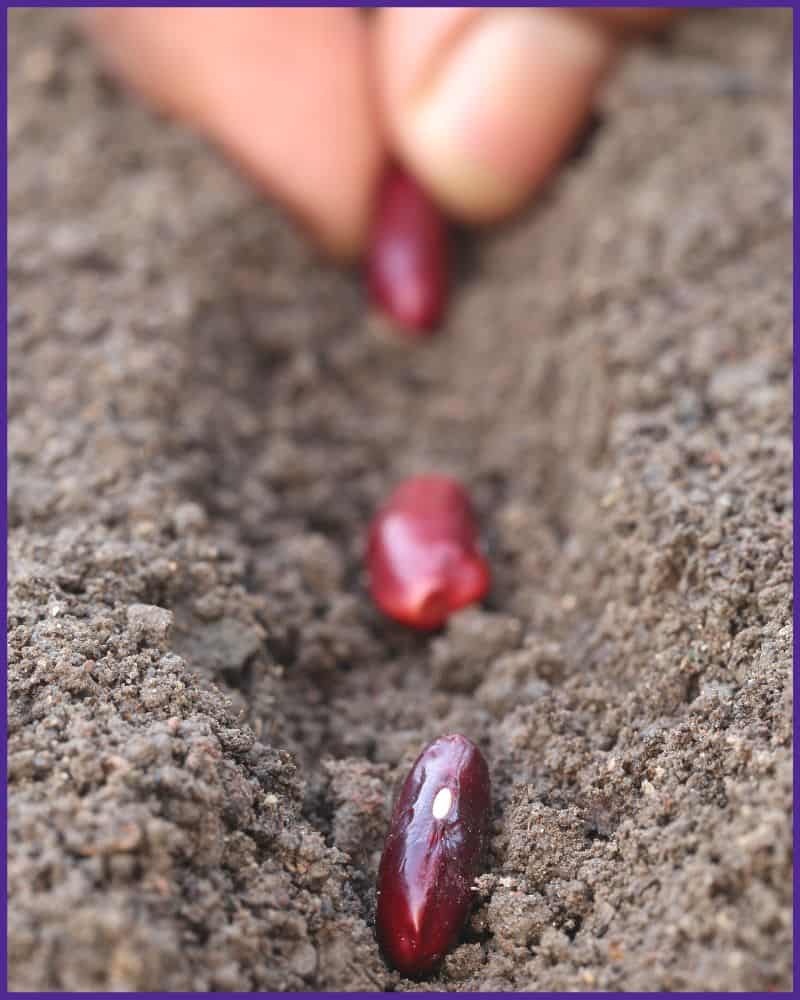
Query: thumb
x=482, y=103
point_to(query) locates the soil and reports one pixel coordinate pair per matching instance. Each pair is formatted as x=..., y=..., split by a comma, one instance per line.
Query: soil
x=208, y=718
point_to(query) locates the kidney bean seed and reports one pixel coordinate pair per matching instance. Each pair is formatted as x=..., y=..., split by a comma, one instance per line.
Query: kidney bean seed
x=407, y=257
x=433, y=851
x=422, y=554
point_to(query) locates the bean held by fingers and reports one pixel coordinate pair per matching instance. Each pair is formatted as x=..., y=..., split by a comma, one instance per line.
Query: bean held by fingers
x=408, y=255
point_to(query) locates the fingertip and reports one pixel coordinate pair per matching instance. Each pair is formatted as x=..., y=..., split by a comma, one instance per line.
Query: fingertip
x=285, y=92
x=490, y=99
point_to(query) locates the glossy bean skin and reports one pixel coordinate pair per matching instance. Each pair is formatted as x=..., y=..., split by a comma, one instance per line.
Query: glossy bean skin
x=407, y=257
x=422, y=555
x=430, y=861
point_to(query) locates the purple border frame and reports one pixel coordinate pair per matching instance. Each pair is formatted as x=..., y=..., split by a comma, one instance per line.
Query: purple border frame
x=795, y=475
x=4, y=547
x=3, y=499
x=698, y=4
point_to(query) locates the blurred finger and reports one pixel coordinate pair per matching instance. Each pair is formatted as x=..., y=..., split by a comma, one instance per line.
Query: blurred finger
x=481, y=103
x=285, y=91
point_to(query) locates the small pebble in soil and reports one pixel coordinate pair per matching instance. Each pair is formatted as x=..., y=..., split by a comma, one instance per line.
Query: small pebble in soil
x=422, y=554
x=433, y=851
x=407, y=258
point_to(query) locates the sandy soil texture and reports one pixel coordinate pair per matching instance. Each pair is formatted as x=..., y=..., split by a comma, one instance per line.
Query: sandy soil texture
x=207, y=716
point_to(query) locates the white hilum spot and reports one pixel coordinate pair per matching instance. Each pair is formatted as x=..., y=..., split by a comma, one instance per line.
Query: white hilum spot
x=442, y=803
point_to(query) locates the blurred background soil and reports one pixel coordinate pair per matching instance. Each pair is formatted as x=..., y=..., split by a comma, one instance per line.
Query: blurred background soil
x=208, y=717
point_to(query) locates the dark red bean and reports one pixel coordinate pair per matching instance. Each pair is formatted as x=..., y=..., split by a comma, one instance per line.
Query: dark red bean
x=423, y=556
x=432, y=854
x=407, y=262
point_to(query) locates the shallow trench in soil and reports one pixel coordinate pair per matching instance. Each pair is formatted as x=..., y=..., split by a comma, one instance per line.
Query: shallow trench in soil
x=208, y=718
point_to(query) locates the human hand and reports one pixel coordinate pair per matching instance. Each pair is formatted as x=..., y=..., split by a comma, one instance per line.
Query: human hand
x=479, y=103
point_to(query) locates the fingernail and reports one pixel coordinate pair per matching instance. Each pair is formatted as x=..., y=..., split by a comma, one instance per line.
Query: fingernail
x=499, y=109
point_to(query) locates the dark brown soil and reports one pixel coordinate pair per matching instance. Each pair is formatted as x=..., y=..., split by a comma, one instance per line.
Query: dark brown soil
x=208, y=717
